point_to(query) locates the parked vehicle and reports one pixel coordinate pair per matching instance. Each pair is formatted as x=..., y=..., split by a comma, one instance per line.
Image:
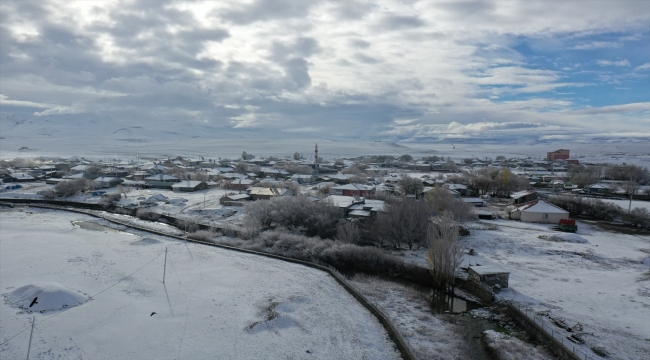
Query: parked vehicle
x=568, y=225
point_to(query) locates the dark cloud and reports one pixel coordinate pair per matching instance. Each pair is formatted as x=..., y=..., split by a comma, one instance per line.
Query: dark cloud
x=365, y=59
x=469, y=8
x=399, y=22
x=262, y=10
x=358, y=43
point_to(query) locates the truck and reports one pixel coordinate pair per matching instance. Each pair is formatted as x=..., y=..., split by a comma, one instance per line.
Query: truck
x=568, y=225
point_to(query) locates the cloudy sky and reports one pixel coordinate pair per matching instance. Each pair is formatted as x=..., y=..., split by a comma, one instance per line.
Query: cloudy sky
x=422, y=70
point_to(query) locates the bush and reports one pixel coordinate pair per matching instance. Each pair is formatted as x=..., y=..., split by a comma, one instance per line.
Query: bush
x=73, y=187
x=204, y=235
x=315, y=218
x=147, y=214
x=108, y=200
x=636, y=217
x=335, y=253
x=442, y=201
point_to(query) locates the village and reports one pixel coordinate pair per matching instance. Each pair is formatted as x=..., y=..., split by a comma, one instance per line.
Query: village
x=514, y=214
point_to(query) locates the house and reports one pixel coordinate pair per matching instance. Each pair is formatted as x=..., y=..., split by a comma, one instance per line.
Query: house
x=106, y=182
x=234, y=199
x=488, y=275
x=19, y=177
x=353, y=189
x=455, y=194
x=344, y=202
x=240, y=184
x=460, y=188
x=539, y=211
x=264, y=193
x=161, y=181
x=366, y=209
x=478, y=202
x=522, y=197
x=189, y=186
x=599, y=189
x=303, y=179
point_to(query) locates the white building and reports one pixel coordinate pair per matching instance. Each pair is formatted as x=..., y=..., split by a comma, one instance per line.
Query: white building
x=540, y=212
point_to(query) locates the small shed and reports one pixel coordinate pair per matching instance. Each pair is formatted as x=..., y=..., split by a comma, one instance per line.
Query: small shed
x=488, y=275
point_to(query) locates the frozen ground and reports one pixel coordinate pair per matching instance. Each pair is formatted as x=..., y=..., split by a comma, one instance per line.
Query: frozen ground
x=215, y=303
x=602, y=284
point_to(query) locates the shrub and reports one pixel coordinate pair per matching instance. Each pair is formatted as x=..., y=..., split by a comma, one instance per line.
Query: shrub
x=335, y=253
x=147, y=214
x=204, y=235
x=108, y=200
x=73, y=187
x=315, y=218
x=442, y=201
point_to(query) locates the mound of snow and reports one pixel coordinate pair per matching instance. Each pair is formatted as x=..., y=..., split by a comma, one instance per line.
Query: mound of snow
x=571, y=238
x=51, y=297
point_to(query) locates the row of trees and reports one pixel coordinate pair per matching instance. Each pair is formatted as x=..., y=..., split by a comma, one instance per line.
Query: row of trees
x=597, y=209
x=584, y=175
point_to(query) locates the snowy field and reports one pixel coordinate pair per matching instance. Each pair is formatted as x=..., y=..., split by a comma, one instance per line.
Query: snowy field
x=97, y=148
x=603, y=283
x=214, y=304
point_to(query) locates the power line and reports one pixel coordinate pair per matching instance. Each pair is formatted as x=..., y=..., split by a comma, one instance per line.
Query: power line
x=92, y=296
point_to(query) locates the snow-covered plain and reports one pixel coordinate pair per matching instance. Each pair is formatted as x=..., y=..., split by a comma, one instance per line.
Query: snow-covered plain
x=214, y=304
x=602, y=284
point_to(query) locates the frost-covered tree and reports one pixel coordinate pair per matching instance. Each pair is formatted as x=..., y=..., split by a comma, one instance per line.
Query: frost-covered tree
x=445, y=251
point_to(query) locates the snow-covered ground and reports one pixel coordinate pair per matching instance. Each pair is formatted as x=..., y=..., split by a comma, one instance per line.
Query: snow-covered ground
x=602, y=284
x=214, y=304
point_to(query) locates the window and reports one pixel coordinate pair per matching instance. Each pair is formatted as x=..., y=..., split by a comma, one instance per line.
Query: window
x=545, y=216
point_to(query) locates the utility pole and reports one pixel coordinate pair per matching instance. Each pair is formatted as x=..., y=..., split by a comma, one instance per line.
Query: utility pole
x=165, y=266
x=30, y=337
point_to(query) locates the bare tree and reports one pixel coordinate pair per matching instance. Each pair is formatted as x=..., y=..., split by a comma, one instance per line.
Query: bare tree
x=348, y=232
x=441, y=200
x=410, y=186
x=124, y=189
x=241, y=167
x=445, y=252
x=404, y=222
x=73, y=187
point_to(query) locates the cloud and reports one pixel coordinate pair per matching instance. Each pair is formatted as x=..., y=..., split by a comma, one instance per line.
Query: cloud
x=455, y=127
x=597, y=45
x=625, y=108
x=623, y=62
x=343, y=68
x=642, y=67
x=4, y=100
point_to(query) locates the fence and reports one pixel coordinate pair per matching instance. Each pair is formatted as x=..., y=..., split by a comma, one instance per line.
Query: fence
x=553, y=338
